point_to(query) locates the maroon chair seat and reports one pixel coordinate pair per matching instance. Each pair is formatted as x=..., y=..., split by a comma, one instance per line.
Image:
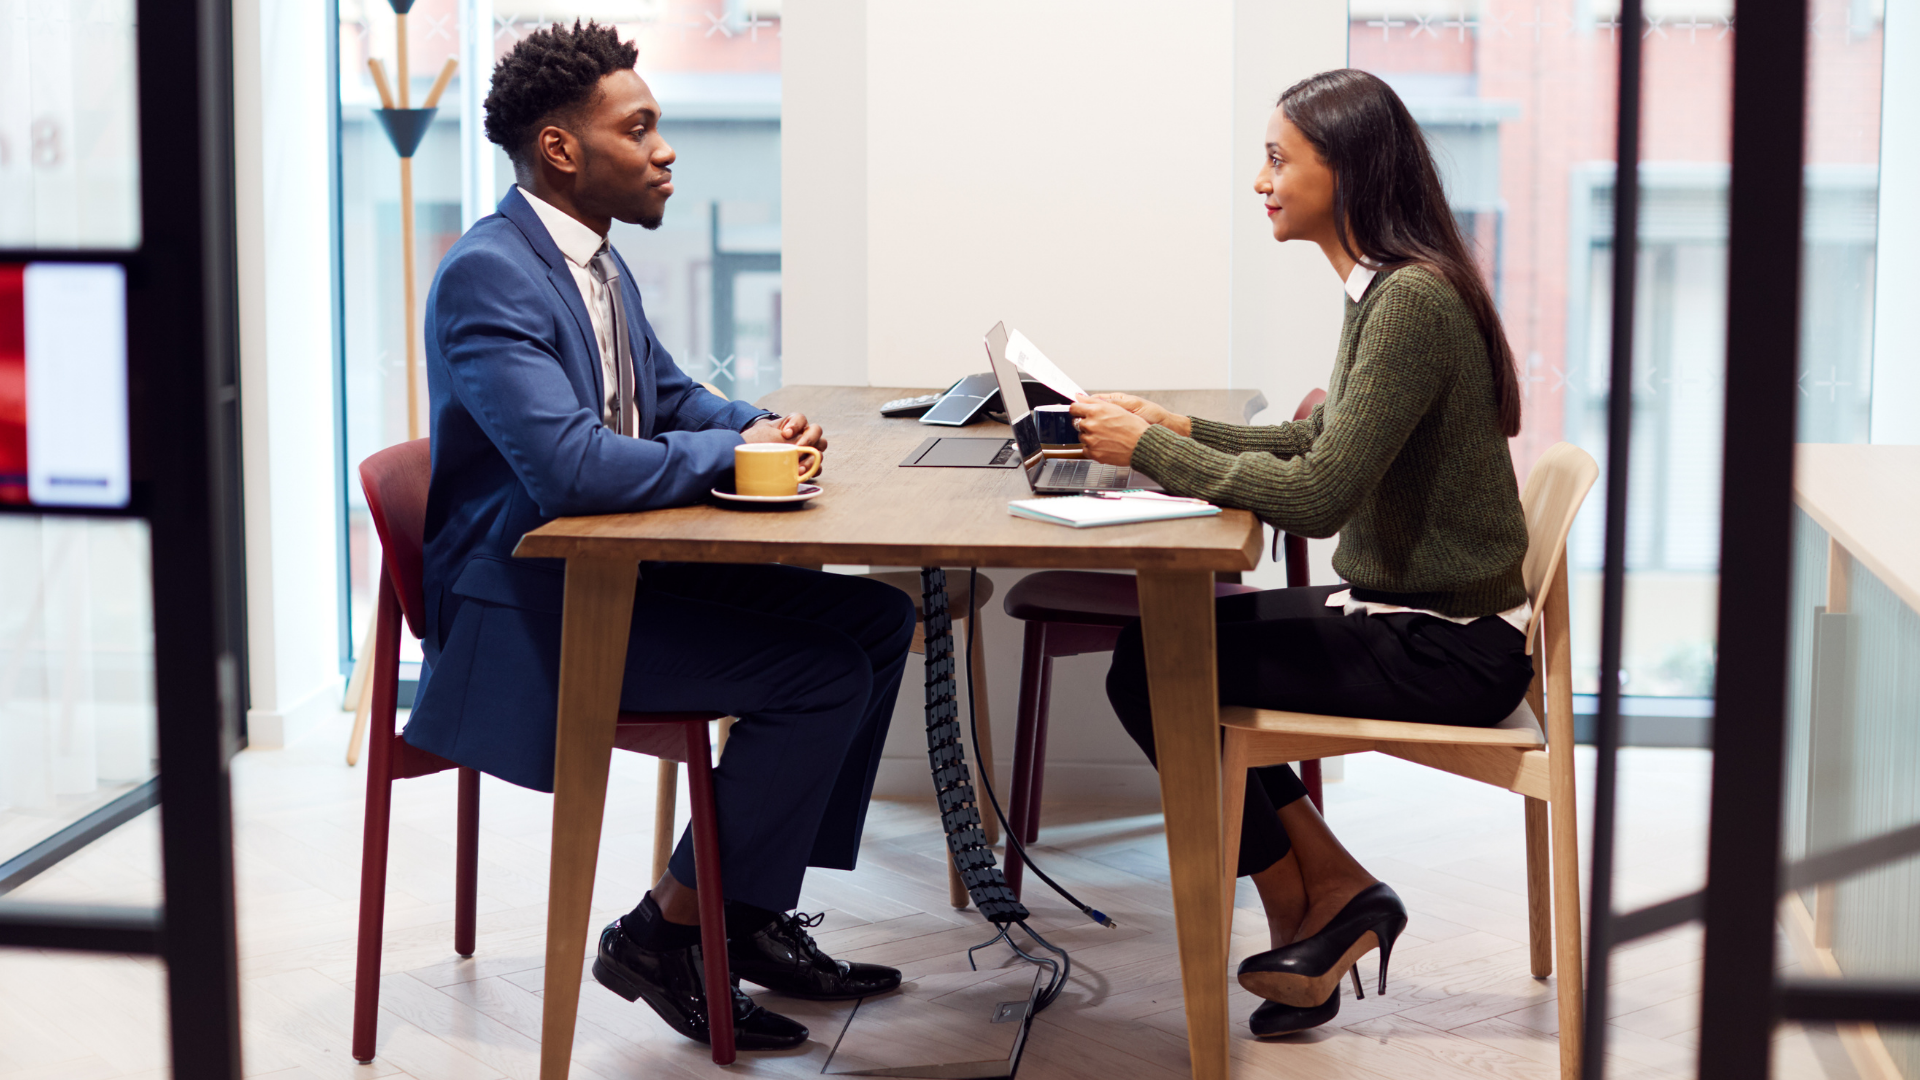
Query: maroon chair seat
x=1073, y=612
x=395, y=480
x=1068, y=613
x=1084, y=598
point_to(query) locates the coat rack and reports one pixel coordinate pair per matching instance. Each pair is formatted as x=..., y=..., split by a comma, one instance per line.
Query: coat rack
x=405, y=128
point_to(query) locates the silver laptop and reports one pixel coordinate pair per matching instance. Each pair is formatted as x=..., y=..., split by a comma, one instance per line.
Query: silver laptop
x=1050, y=476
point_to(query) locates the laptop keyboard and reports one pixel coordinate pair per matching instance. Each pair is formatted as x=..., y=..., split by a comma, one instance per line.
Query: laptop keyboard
x=1087, y=475
x=1005, y=455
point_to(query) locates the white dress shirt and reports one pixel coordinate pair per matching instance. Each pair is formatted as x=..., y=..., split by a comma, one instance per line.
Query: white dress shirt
x=1357, y=281
x=580, y=244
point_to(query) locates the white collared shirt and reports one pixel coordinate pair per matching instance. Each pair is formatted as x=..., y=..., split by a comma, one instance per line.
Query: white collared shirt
x=580, y=244
x=1518, y=617
x=1358, y=279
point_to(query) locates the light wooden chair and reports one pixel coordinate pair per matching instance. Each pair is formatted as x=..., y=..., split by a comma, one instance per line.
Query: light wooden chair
x=1513, y=755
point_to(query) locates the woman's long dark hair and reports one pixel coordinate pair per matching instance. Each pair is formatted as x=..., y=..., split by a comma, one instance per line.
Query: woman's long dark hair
x=1388, y=206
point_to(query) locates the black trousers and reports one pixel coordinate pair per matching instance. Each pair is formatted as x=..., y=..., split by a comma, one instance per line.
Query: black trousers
x=1285, y=649
x=811, y=664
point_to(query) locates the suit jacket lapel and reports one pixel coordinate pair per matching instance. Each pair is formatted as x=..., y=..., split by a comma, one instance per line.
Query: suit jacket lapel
x=560, y=275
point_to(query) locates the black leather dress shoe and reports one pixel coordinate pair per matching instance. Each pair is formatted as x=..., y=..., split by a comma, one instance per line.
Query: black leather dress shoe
x=1273, y=1019
x=672, y=983
x=782, y=956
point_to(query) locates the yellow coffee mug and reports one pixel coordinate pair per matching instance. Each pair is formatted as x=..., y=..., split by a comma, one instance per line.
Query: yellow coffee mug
x=771, y=469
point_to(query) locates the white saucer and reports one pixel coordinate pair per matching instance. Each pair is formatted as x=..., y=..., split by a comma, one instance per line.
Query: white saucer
x=807, y=491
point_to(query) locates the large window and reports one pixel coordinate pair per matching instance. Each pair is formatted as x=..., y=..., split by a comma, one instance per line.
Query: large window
x=709, y=276
x=1518, y=100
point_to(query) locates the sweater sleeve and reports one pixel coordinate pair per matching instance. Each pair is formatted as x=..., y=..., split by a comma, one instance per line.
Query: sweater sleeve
x=1396, y=376
x=1285, y=440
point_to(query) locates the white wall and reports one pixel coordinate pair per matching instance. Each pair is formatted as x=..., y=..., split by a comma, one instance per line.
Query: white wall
x=1287, y=302
x=1896, y=318
x=1083, y=170
x=823, y=198
x=1080, y=169
x=286, y=364
x=1061, y=166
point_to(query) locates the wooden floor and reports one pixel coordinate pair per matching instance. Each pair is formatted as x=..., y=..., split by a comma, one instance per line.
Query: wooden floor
x=1460, y=1003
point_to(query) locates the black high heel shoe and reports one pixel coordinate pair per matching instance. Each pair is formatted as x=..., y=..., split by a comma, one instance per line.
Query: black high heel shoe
x=1304, y=973
x=1273, y=1019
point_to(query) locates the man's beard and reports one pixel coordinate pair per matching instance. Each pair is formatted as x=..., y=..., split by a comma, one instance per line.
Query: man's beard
x=653, y=221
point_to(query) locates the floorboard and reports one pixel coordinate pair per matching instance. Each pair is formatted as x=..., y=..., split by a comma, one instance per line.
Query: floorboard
x=1460, y=1004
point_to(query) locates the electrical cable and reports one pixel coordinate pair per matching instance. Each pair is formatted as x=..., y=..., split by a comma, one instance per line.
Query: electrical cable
x=986, y=780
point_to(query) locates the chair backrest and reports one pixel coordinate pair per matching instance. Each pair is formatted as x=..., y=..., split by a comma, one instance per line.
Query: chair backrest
x=395, y=480
x=1313, y=398
x=1298, y=573
x=1555, y=489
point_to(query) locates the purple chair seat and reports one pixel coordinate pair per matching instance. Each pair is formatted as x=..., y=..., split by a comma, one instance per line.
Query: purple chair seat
x=1085, y=597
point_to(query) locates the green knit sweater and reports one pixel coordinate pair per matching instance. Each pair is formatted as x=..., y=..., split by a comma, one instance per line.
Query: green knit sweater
x=1404, y=460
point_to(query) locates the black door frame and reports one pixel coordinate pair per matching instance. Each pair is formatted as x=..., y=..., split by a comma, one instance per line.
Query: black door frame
x=183, y=364
x=1741, y=998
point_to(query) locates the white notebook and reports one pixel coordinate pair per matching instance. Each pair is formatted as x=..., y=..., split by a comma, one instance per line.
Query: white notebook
x=1088, y=511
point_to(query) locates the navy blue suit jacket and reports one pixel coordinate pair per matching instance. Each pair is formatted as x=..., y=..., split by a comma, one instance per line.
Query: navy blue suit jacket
x=514, y=378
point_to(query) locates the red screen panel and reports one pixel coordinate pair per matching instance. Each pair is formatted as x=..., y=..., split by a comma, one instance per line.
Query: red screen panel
x=13, y=384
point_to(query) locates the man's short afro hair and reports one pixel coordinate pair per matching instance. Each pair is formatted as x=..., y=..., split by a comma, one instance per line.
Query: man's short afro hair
x=548, y=75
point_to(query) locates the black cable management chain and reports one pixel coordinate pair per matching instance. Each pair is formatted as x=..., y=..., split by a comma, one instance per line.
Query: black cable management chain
x=946, y=753
x=960, y=808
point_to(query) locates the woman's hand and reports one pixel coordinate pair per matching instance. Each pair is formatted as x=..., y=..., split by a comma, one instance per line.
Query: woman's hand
x=1150, y=412
x=1108, y=432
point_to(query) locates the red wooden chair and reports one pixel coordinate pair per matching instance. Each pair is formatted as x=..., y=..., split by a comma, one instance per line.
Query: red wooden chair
x=1071, y=612
x=395, y=481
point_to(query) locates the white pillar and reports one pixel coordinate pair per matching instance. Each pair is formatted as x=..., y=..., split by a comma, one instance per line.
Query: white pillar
x=823, y=197
x=476, y=78
x=1080, y=169
x=289, y=455
x=1286, y=299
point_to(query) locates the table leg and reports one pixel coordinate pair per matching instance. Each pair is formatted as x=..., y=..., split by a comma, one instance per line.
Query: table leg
x=1176, y=609
x=666, y=800
x=593, y=652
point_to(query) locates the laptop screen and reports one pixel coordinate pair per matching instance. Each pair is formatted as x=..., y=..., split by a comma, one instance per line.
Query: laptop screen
x=1013, y=397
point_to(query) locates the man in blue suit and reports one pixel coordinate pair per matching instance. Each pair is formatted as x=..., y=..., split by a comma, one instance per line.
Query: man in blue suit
x=551, y=396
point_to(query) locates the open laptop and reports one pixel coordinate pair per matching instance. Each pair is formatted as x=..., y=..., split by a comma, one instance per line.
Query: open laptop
x=1050, y=476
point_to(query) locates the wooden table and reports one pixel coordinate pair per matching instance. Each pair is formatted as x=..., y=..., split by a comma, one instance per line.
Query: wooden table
x=875, y=512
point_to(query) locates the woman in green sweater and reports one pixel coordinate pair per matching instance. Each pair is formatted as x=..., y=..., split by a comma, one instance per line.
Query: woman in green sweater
x=1407, y=461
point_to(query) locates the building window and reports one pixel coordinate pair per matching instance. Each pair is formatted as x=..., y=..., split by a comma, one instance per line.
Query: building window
x=709, y=276
x=1518, y=103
